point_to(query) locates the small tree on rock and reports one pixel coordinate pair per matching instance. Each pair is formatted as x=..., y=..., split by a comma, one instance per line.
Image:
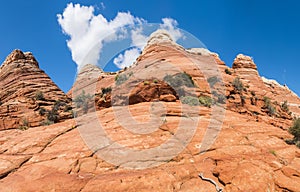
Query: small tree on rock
x=295, y=130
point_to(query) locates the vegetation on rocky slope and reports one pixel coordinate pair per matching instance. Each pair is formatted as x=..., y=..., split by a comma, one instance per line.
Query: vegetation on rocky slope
x=295, y=131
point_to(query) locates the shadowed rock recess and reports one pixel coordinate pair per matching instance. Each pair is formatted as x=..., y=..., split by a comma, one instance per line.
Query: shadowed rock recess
x=249, y=153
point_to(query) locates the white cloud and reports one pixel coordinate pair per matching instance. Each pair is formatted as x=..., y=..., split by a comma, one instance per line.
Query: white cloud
x=127, y=59
x=170, y=25
x=89, y=32
x=138, y=39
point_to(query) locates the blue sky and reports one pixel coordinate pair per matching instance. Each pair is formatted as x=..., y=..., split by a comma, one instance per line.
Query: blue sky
x=266, y=30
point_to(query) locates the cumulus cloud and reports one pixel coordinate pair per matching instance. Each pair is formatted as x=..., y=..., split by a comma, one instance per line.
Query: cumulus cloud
x=89, y=33
x=170, y=25
x=128, y=58
x=139, y=40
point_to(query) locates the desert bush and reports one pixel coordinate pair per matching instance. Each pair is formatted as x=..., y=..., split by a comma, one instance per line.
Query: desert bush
x=52, y=115
x=178, y=80
x=181, y=92
x=25, y=124
x=42, y=111
x=67, y=108
x=206, y=101
x=295, y=130
x=39, y=96
x=121, y=78
x=284, y=106
x=190, y=100
x=269, y=106
x=267, y=101
x=238, y=84
x=82, y=101
x=106, y=90
x=146, y=83
x=213, y=80
x=220, y=97
x=155, y=81
x=227, y=71
x=273, y=152
x=73, y=113
x=58, y=104
x=271, y=110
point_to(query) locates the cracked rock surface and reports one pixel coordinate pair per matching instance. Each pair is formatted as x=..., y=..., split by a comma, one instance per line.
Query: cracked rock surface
x=248, y=154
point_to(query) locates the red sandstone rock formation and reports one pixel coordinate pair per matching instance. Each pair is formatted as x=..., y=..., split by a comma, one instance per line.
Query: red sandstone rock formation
x=249, y=154
x=25, y=89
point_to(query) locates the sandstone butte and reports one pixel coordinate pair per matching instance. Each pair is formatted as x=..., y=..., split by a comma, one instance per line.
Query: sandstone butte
x=248, y=154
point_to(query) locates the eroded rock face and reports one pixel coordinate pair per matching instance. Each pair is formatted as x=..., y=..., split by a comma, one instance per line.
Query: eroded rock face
x=249, y=154
x=160, y=36
x=148, y=91
x=21, y=80
x=244, y=150
x=256, y=88
x=243, y=62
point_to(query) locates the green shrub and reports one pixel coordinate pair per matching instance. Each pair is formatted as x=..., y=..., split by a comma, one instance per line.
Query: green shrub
x=53, y=115
x=82, y=101
x=273, y=152
x=39, y=96
x=267, y=101
x=295, y=130
x=106, y=90
x=284, y=106
x=269, y=106
x=213, y=80
x=206, y=101
x=190, y=100
x=227, y=71
x=25, y=124
x=146, y=83
x=271, y=110
x=238, y=84
x=42, y=111
x=179, y=79
x=58, y=104
x=68, y=108
x=155, y=81
x=220, y=97
x=181, y=92
x=120, y=79
x=73, y=113
x=23, y=128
